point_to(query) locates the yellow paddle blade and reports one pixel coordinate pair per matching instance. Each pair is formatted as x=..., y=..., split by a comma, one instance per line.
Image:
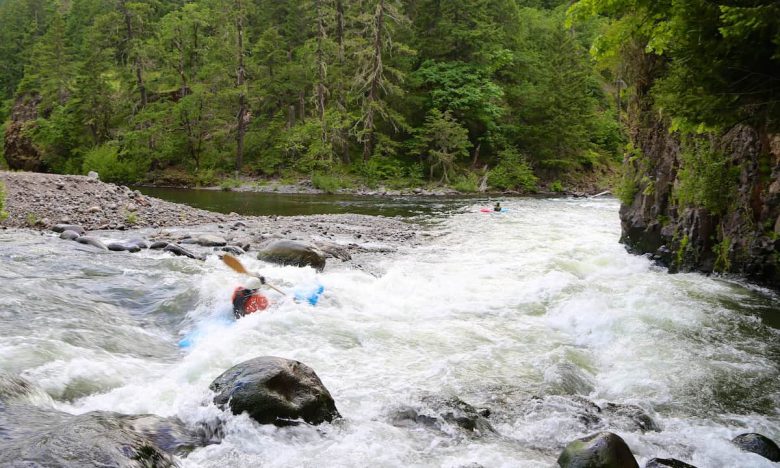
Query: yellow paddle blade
x=235, y=264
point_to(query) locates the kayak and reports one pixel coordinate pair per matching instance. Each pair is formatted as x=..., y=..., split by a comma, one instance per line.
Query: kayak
x=491, y=210
x=310, y=296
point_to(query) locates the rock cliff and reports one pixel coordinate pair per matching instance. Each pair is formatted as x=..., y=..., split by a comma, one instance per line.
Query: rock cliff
x=729, y=222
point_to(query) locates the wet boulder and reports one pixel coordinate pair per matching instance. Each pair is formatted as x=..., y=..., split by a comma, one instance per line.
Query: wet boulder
x=158, y=245
x=758, y=444
x=178, y=250
x=85, y=440
x=566, y=379
x=69, y=235
x=231, y=249
x=630, y=417
x=667, y=463
x=123, y=247
x=333, y=250
x=287, y=252
x=170, y=434
x=69, y=227
x=444, y=413
x=601, y=450
x=93, y=241
x=13, y=387
x=137, y=242
x=209, y=240
x=274, y=390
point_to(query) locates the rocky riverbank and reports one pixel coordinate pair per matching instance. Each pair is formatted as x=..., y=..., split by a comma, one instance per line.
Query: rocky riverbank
x=111, y=217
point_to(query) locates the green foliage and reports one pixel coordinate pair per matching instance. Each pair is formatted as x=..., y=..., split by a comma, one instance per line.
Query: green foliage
x=229, y=184
x=706, y=178
x=627, y=188
x=512, y=172
x=131, y=218
x=720, y=61
x=160, y=89
x=31, y=219
x=106, y=161
x=441, y=141
x=467, y=183
x=556, y=186
x=3, y=213
x=327, y=183
x=682, y=250
x=721, y=250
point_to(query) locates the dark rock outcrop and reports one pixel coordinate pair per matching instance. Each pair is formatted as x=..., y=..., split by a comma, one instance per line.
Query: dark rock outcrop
x=20, y=152
x=601, y=450
x=275, y=390
x=287, y=252
x=667, y=463
x=33, y=436
x=440, y=413
x=632, y=415
x=759, y=444
x=736, y=232
x=86, y=440
x=178, y=250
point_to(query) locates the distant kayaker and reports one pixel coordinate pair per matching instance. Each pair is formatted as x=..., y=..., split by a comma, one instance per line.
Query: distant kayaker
x=497, y=206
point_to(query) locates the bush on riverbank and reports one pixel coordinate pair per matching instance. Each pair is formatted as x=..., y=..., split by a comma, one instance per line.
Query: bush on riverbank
x=3, y=214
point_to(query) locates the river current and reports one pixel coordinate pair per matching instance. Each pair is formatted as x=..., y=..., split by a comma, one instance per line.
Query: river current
x=500, y=310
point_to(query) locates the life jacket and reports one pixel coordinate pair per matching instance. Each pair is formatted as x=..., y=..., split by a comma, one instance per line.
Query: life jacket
x=247, y=301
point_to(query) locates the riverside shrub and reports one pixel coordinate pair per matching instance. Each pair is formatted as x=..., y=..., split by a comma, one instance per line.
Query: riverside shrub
x=3, y=214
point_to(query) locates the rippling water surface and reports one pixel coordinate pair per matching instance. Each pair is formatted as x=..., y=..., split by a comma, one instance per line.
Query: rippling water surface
x=496, y=309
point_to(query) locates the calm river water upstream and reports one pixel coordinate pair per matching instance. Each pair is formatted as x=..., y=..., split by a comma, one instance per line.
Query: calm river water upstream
x=522, y=312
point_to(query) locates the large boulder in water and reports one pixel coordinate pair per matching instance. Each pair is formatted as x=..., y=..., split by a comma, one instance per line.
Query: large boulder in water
x=86, y=440
x=274, y=390
x=601, y=450
x=287, y=252
x=758, y=444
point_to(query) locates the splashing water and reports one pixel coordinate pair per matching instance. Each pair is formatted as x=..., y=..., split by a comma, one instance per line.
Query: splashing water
x=540, y=301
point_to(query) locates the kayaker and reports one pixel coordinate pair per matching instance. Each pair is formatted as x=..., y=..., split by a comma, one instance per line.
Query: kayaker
x=248, y=301
x=497, y=206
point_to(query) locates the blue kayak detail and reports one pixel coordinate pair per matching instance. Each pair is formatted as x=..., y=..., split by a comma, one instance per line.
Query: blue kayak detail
x=311, y=296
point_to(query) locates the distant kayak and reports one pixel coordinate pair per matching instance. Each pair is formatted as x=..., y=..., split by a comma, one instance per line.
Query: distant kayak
x=491, y=210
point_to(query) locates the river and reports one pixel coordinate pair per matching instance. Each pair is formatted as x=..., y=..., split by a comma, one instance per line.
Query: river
x=541, y=301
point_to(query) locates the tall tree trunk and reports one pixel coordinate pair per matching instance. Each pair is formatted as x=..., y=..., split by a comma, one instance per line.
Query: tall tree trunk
x=240, y=82
x=138, y=65
x=342, y=95
x=320, y=89
x=376, y=77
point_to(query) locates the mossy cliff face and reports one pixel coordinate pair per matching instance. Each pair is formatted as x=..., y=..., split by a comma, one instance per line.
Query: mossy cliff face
x=708, y=202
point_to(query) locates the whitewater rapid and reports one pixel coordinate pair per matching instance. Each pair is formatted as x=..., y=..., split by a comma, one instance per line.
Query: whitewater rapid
x=494, y=309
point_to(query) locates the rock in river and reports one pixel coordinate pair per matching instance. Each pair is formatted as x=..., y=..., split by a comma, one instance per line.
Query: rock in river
x=276, y=391
x=293, y=253
x=69, y=227
x=601, y=450
x=208, y=240
x=759, y=444
x=93, y=241
x=667, y=463
x=69, y=235
x=178, y=250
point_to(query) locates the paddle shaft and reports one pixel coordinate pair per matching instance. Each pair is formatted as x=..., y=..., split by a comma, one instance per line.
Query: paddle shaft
x=236, y=265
